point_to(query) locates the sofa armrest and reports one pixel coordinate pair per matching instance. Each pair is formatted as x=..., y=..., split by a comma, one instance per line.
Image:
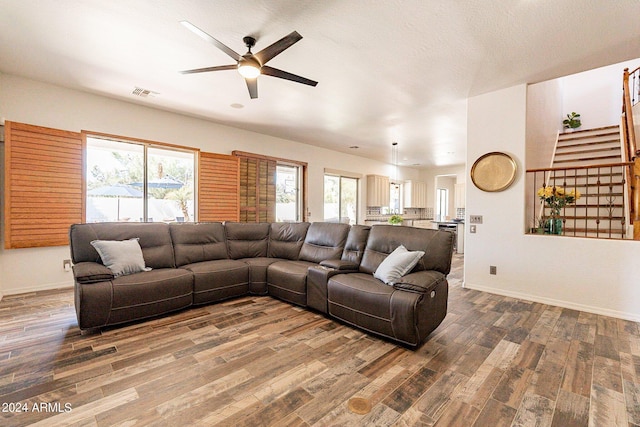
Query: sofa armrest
x=339, y=264
x=420, y=281
x=91, y=272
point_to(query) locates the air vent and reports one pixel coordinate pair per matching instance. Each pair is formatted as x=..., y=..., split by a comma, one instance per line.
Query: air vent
x=143, y=93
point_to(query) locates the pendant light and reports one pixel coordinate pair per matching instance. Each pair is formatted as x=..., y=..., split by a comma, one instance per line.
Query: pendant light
x=394, y=160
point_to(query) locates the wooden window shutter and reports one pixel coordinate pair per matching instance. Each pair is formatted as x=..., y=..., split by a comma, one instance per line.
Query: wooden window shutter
x=43, y=185
x=257, y=188
x=218, y=187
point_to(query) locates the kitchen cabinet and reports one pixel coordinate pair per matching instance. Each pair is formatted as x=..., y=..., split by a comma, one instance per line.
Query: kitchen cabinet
x=415, y=194
x=377, y=190
x=460, y=195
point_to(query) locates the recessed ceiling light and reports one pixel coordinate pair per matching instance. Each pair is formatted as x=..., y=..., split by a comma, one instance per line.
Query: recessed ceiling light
x=236, y=105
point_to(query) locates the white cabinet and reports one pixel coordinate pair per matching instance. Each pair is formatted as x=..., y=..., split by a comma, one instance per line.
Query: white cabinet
x=460, y=195
x=415, y=194
x=377, y=190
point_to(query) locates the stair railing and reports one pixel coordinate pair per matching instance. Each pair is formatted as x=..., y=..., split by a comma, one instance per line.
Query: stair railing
x=631, y=97
x=588, y=216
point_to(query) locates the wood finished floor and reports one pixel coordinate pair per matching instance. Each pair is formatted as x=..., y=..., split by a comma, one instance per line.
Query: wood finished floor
x=495, y=361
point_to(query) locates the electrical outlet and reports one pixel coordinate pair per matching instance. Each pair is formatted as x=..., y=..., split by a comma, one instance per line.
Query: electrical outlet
x=66, y=265
x=475, y=219
x=493, y=269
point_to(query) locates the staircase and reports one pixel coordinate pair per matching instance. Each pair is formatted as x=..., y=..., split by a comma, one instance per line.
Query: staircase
x=600, y=210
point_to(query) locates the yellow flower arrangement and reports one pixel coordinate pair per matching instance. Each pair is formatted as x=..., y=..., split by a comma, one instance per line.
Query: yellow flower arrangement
x=556, y=198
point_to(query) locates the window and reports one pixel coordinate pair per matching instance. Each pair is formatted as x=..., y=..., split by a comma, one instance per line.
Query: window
x=340, y=199
x=442, y=203
x=288, y=181
x=131, y=181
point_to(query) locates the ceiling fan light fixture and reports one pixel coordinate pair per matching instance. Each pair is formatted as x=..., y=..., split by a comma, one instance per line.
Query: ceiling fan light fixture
x=249, y=68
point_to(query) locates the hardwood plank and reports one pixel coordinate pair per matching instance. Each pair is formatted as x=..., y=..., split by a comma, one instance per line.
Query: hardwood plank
x=579, y=368
x=512, y=386
x=607, y=407
x=495, y=414
x=409, y=391
x=534, y=411
x=571, y=410
x=458, y=414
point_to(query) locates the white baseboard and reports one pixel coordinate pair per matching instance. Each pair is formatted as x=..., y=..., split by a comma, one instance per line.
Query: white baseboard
x=634, y=317
x=43, y=287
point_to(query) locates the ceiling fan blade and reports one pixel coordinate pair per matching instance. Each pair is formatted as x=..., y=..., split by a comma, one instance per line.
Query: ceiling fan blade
x=211, y=40
x=266, y=54
x=274, y=72
x=207, y=69
x=252, y=85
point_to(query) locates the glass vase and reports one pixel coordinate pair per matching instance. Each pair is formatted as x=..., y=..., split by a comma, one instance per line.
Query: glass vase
x=553, y=226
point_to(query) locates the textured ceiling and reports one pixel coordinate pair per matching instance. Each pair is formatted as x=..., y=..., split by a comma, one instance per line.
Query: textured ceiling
x=387, y=70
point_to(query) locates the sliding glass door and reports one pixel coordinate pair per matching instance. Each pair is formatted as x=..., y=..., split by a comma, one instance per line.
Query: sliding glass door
x=340, y=199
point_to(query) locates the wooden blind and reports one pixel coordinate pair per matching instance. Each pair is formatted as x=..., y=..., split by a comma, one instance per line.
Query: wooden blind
x=218, y=187
x=257, y=188
x=43, y=185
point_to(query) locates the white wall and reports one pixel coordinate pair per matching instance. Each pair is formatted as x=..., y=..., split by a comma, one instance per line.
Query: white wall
x=595, y=94
x=28, y=101
x=594, y=275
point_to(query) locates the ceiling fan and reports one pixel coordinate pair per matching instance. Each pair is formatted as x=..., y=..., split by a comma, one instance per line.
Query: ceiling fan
x=251, y=65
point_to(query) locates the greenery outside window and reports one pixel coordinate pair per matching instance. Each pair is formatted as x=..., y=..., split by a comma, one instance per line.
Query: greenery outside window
x=139, y=182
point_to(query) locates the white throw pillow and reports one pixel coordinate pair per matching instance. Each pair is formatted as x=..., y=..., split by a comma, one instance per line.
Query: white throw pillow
x=397, y=264
x=122, y=257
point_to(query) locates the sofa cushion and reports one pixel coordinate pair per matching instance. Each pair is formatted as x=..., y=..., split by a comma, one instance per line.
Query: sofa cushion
x=154, y=239
x=397, y=264
x=324, y=241
x=258, y=273
x=219, y=280
x=384, y=239
x=122, y=257
x=150, y=293
x=287, y=280
x=198, y=242
x=247, y=240
x=286, y=238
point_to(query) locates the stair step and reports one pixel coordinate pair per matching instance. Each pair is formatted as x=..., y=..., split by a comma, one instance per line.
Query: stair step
x=568, y=143
x=589, y=133
x=588, y=159
x=595, y=150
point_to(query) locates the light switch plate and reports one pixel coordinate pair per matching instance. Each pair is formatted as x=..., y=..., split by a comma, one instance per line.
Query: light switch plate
x=475, y=219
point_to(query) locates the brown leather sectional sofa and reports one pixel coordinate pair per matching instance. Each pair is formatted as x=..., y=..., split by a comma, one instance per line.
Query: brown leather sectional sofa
x=327, y=267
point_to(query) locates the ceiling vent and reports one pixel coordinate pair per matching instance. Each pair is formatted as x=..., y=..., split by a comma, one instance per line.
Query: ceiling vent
x=143, y=93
